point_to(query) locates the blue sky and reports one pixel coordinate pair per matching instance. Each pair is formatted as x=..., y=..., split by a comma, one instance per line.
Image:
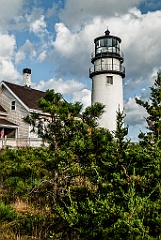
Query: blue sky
x=55, y=40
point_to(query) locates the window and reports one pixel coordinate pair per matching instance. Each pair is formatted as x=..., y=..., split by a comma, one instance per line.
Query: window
x=109, y=80
x=13, y=105
x=109, y=42
x=10, y=132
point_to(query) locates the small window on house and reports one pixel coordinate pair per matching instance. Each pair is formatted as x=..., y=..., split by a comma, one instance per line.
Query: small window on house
x=109, y=80
x=13, y=105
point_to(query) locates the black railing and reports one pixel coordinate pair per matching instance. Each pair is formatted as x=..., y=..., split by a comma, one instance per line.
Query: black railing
x=107, y=52
x=107, y=68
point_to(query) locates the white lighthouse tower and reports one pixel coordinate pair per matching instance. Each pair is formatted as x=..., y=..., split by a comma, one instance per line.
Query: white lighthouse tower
x=107, y=75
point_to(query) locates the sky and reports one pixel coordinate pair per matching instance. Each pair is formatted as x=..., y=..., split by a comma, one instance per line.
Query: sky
x=55, y=39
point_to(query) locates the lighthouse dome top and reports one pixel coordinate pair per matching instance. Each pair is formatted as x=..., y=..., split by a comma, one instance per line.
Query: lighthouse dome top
x=107, y=32
x=107, y=36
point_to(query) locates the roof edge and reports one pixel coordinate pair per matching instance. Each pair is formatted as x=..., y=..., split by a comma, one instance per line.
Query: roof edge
x=24, y=105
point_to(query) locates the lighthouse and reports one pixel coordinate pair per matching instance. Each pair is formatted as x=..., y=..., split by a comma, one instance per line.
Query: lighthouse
x=107, y=75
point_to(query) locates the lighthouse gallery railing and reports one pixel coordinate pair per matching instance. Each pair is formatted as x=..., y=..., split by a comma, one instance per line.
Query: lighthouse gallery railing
x=107, y=67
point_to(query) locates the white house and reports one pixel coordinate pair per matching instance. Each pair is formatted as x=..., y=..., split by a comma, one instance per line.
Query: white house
x=16, y=102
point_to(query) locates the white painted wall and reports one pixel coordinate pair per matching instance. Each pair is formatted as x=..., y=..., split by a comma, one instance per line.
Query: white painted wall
x=110, y=95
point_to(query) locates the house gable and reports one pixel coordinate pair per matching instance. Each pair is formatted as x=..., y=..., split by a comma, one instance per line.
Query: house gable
x=16, y=102
x=27, y=96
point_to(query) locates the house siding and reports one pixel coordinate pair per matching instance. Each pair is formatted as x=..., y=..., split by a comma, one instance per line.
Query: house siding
x=16, y=116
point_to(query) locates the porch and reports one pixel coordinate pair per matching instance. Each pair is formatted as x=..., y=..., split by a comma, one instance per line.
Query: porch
x=21, y=142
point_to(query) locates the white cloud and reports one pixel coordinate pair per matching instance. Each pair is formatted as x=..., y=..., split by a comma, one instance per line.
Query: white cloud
x=83, y=96
x=72, y=50
x=9, y=9
x=140, y=34
x=26, y=50
x=28, y=18
x=139, y=41
x=76, y=13
x=20, y=55
x=42, y=56
x=8, y=71
x=65, y=42
x=7, y=50
x=60, y=86
x=7, y=46
x=73, y=90
x=52, y=11
x=135, y=118
x=135, y=114
x=38, y=26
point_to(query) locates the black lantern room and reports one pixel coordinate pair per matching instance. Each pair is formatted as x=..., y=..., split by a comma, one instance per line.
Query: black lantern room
x=107, y=47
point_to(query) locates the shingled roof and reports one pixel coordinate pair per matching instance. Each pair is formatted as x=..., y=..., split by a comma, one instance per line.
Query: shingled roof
x=26, y=94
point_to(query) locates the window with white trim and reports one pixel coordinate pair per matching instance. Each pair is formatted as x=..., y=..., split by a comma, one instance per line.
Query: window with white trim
x=109, y=80
x=13, y=105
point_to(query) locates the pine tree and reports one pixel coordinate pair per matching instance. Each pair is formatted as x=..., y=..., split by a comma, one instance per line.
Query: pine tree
x=121, y=131
x=153, y=108
x=90, y=187
x=62, y=121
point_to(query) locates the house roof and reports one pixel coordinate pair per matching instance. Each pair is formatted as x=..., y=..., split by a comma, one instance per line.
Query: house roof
x=26, y=94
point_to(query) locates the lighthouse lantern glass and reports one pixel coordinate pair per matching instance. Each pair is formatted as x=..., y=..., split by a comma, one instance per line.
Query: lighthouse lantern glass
x=111, y=45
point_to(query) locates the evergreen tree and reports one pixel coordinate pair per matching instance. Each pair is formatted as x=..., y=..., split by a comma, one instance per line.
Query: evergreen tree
x=62, y=120
x=121, y=131
x=90, y=187
x=153, y=108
